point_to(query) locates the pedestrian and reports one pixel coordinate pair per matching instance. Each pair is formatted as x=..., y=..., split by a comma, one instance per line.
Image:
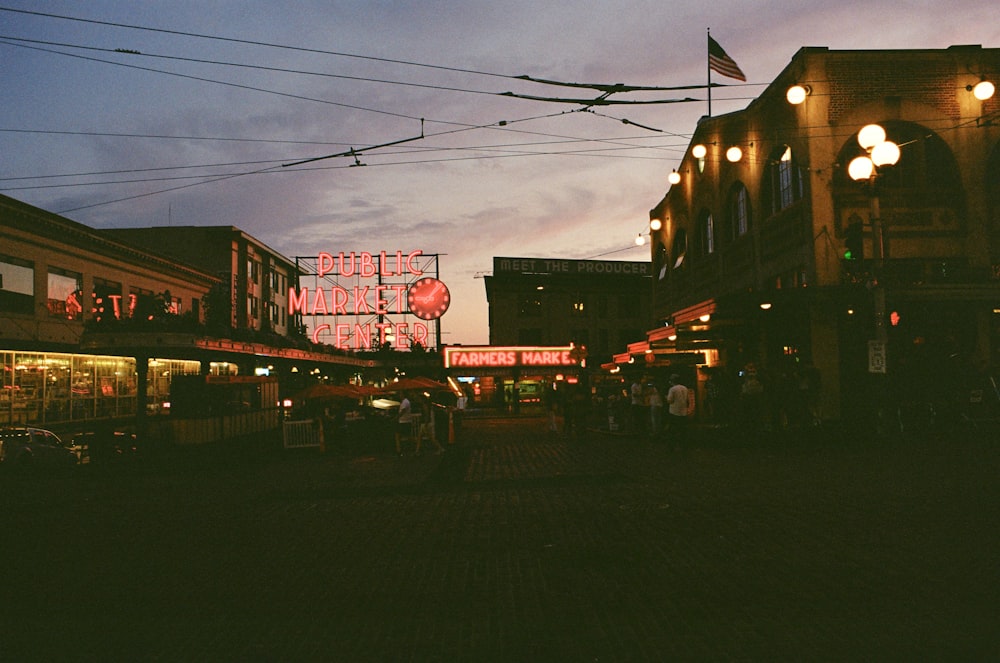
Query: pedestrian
x=427, y=429
x=677, y=414
x=551, y=402
x=461, y=403
x=752, y=404
x=404, y=422
x=655, y=400
x=638, y=407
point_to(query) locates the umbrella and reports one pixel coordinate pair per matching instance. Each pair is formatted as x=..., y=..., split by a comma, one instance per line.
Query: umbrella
x=415, y=384
x=323, y=391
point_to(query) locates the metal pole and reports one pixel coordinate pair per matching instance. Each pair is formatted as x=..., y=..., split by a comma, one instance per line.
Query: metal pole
x=878, y=244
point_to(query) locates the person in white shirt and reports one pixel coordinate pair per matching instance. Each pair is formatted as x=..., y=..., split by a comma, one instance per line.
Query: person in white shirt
x=677, y=413
x=404, y=423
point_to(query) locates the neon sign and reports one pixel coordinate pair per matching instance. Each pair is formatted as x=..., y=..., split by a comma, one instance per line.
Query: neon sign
x=402, y=289
x=503, y=357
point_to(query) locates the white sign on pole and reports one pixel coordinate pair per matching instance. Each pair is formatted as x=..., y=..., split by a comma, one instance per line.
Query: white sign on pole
x=876, y=357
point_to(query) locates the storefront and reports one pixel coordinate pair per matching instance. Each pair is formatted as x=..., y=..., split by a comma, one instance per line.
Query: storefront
x=512, y=378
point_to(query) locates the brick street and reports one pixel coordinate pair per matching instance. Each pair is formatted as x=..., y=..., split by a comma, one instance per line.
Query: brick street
x=515, y=545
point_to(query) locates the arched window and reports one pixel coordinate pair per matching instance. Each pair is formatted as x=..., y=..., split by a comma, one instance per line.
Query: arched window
x=739, y=211
x=680, y=247
x=921, y=193
x=706, y=233
x=785, y=180
x=661, y=263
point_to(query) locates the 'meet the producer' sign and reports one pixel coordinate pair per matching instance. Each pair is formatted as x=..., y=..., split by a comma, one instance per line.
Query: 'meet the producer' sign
x=569, y=267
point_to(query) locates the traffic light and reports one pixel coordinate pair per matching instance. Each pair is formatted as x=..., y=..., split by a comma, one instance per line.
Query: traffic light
x=854, y=241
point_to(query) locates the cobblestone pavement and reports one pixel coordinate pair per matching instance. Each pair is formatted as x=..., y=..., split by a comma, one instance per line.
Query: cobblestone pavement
x=515, y=545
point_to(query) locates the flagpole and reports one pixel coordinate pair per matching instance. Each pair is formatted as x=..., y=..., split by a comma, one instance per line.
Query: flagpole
x=708, y=67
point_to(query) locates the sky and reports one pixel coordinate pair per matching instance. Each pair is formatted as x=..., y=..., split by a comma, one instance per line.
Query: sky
x=121, y=114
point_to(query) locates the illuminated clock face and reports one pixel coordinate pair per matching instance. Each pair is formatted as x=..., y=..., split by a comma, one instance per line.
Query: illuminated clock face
x=428, y=299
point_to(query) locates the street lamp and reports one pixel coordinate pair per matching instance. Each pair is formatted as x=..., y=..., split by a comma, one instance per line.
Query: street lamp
x=880, y=153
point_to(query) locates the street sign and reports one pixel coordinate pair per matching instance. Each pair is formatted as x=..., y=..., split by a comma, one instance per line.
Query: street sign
x=876, y=357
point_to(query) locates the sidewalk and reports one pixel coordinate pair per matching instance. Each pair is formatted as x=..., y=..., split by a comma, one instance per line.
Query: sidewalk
x=514, y=545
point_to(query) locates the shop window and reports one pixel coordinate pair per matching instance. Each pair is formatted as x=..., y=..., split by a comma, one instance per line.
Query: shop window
x=17, y=285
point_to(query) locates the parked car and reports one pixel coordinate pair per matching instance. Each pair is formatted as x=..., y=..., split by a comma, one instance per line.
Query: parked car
x=25, y=446
x=105, y=446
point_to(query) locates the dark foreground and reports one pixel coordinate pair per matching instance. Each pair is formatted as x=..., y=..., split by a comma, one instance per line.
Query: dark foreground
x=512, y=546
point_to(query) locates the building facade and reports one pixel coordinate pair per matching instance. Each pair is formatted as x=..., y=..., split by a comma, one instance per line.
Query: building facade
x=257, y=277
x=95, y=325
x=767, y=257
x=597, y=304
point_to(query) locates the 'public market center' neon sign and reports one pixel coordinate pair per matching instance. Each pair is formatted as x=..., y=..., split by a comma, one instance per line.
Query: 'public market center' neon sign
x=424, y=297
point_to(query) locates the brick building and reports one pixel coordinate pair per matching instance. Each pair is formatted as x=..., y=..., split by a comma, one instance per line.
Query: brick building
x=597, y=304
x=748, y=249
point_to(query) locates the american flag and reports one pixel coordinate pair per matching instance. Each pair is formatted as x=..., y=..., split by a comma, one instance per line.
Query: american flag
x=719, y=61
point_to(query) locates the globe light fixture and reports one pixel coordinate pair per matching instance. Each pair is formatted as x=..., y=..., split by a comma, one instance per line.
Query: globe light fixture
x=885, y=153
x=674, y=177
x=734, y=154
x=860, y=168
x=699, y=151
x=797, y=94
x=870, y=136
x=640, y=240
x=983, y=90
x=655, y=224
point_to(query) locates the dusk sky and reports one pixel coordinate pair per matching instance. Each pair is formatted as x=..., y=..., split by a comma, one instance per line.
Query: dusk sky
x=195, y=123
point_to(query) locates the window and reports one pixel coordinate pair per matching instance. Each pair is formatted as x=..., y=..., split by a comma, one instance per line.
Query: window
x=531, y=307
x=253, y=270
x=786, y=181
x=739, y=212
x=706, y=233
x=17, y=285
x=65, y=299
x=141, y=304
x=661, y=263
x=106, y=300
x=680, y=247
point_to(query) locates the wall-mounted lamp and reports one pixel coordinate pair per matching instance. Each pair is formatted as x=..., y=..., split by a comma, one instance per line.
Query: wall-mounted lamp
x=640, y=240
x=698, y=152
x=734, y=154
x=674, y=177
x=765, y=306
x=797, y=94
x=982, y=90
x=655, y=224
